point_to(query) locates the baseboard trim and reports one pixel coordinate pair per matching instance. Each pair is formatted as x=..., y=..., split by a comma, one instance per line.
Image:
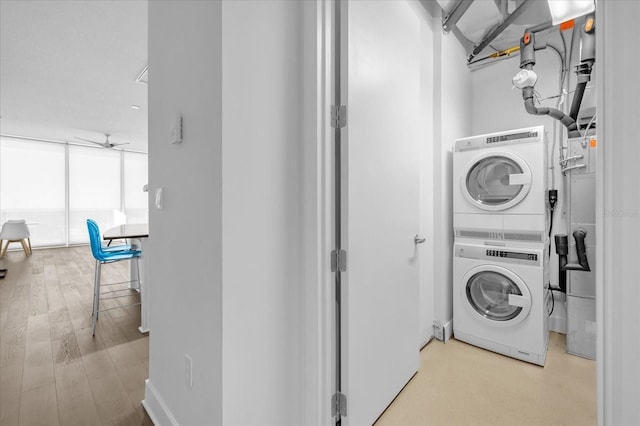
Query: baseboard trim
x=448, y=330
x=155, y=406
x=557, y=324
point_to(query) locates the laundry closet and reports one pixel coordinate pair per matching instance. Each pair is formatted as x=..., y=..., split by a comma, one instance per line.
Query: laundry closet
x=326, y=168
x=476, y=208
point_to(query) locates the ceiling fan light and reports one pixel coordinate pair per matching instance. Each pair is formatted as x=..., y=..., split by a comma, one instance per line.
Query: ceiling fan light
x=564, y=10
x=135, y=106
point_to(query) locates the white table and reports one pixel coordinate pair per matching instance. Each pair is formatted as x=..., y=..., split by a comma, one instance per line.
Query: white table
x=137, y=234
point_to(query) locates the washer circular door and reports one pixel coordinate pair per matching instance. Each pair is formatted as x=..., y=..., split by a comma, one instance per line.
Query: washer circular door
x=496, y=295
x=496, y=181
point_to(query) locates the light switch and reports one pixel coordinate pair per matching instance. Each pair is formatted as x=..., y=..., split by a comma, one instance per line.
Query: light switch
x=159, y=198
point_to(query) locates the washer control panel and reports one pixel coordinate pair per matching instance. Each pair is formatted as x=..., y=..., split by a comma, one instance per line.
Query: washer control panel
x=512, y=255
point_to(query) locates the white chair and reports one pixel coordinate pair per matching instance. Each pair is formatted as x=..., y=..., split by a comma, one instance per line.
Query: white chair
x=15, y=231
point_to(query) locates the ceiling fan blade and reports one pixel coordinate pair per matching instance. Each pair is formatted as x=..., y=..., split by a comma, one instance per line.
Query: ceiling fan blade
x=87, y=140
x=117, y=144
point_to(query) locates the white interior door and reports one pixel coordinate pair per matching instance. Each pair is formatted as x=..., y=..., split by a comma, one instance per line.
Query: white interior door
x=381, y=204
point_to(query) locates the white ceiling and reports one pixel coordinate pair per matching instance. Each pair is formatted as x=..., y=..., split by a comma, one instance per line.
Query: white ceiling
x=68, y=69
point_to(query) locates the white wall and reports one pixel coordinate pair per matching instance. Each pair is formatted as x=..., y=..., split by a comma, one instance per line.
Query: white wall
x=618, y=198
x=452, y=107
x=225, y=253
x=184, y=251
x=428, y=27
x=262, y=210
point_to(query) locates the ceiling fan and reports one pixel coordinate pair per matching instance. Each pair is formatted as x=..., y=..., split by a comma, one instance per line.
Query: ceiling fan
x=106, y=144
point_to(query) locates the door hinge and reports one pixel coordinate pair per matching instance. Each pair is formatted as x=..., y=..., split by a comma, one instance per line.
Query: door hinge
x=338, y=260
x=338, y=405
x=338, y=116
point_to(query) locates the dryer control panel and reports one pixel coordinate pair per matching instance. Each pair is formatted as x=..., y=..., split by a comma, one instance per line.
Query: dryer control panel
x=512, y=255
x=519, y=256
x=510, y=137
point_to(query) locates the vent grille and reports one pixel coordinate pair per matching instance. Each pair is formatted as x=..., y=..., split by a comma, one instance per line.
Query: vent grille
x=496, y=235
x=524, y=236
x=467, y=233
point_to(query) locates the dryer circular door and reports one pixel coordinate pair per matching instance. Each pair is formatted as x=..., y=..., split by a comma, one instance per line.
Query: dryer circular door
x=495, y=295
x=496, y=181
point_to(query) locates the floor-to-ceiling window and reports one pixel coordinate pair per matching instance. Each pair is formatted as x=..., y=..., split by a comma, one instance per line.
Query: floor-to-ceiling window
x=94, y=190
x=55, y=187
x=32, y=187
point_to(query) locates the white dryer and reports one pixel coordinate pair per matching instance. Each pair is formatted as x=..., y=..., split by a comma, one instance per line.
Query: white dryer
x=500, y=185
x=500, y=299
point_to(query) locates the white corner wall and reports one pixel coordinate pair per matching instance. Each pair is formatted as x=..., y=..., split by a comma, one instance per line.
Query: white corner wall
x=453, y=97
x=618, y=200
x=262, y=74
x=184, y=251
x=428, y=27
x=226, y=252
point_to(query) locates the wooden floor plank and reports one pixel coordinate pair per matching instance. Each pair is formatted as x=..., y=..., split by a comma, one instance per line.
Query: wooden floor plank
x=66, y=349
x=38, y=302
x=112, y=401
x=60, y=323
x=10, y=392
x=39, y=406
x=19, y=309
x=38, y=359
x=75, y=400
x=52, y=370
x=12, y=347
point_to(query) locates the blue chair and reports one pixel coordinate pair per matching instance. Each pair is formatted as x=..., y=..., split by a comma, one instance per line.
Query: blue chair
x=105, y=255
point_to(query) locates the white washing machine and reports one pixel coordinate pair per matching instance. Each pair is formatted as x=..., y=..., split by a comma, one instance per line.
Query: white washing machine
x=500, y=186
x=501, y=301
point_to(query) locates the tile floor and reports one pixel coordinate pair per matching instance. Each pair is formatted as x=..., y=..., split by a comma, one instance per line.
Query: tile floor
x=460, y=384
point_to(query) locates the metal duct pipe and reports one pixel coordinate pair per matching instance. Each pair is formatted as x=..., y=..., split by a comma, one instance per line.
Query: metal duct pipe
x=455, y=14
x=529, y=106
x=587, y=58
x=499, y=29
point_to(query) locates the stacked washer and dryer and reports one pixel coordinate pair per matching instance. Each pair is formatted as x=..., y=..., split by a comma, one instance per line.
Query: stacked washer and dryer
x=501, y=296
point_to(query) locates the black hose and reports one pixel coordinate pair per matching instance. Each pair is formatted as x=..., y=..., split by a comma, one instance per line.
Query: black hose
x=577, y=100
x=579, y=235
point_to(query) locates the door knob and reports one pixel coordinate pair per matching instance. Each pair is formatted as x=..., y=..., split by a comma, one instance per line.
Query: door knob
x=418, y=240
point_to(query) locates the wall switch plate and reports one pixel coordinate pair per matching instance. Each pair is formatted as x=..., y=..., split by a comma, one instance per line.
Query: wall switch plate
x=175, y=133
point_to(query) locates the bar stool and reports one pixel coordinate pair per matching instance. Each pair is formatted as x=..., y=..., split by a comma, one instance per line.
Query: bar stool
x=104, y=256
x=15, y=231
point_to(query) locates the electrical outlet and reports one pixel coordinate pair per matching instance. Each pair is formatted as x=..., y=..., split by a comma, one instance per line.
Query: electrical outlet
x=188, y=371
x=438, y=330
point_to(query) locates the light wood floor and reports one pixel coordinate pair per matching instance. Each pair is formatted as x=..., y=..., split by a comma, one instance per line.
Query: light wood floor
x=460, y=384
x=52, y=371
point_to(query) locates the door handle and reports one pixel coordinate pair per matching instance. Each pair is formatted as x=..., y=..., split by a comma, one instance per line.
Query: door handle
x=519, y=179
x=520, y=301
x=418, y=240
